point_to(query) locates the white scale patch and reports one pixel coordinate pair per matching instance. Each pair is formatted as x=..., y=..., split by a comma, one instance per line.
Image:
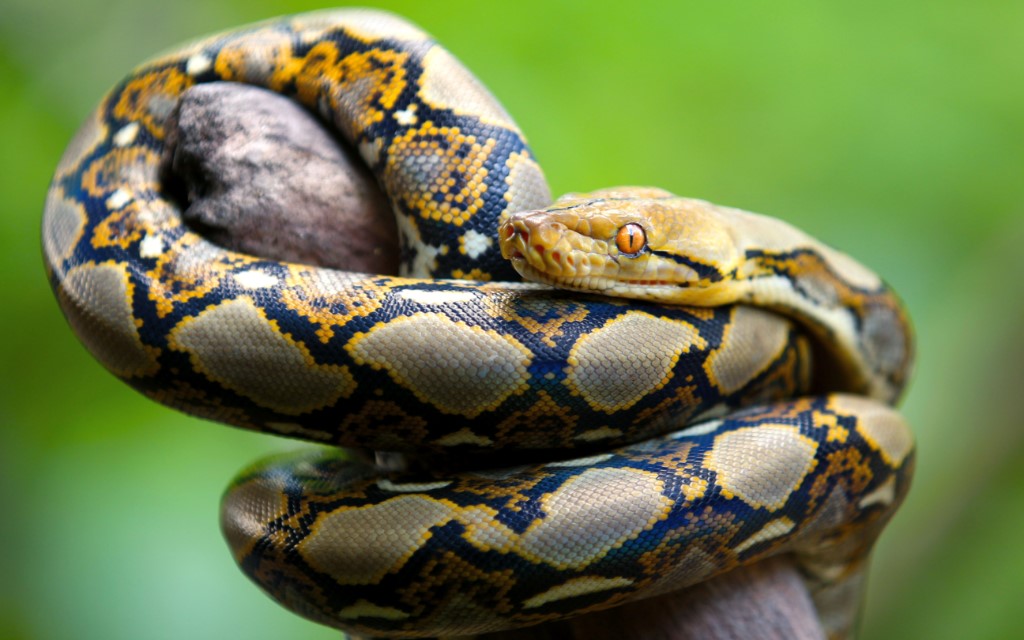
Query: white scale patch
x=576, y=587
x=406, y=117
x=431, y=298
x=589, y=461
x=197, y=64
x=118, y=199
x=883, y=495
x=701, y=429
x=255, y=279
x=126, y=135
x=424, y=255
x=370, y=150
x=424, y=261
x=770, y=531
x=151, y=246
x=476, y=244
x=410, y=487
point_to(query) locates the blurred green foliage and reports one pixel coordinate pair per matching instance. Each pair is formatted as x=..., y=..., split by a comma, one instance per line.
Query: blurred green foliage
x=894, y=131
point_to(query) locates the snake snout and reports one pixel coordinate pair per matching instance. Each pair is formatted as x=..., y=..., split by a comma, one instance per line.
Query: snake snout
x=530, y=238
x=511, y=238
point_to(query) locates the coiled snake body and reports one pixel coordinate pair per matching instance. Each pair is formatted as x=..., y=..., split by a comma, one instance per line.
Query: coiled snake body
x=681, y=441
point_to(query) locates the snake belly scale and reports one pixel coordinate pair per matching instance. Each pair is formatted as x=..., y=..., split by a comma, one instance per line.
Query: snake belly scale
x=683, y=437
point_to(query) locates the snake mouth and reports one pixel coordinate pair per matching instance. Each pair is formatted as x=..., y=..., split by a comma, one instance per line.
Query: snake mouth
x=655, y=291
x=585, y=283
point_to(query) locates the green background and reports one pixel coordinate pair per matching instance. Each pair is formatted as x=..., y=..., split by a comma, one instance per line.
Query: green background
x=893, y=130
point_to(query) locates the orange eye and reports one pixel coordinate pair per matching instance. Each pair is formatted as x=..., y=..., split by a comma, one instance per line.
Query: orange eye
x=631, y=239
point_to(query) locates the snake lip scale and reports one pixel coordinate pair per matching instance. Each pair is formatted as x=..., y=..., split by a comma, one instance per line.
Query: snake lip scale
x=743, y=409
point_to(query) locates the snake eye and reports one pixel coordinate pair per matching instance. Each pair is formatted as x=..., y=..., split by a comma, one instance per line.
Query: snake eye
x=631, y=239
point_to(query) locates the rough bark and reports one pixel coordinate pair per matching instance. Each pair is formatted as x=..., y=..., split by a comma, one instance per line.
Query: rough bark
x=261, y=175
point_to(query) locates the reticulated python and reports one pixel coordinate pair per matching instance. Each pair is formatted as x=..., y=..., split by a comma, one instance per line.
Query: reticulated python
x=675, y=447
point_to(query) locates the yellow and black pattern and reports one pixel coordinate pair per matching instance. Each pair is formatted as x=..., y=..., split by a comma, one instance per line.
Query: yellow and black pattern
x=479, y=551
x=456, y=357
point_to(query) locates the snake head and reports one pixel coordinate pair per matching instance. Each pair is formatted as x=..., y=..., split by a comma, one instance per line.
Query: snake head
x=631, y=242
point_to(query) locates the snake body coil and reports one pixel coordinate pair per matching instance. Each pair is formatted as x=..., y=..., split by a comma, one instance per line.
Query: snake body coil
x=697, y=448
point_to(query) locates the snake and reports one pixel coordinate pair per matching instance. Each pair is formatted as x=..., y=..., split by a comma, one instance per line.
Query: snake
x=677, y=390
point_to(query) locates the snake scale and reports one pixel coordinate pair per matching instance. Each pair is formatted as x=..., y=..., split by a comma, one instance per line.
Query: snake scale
x=740, y=410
